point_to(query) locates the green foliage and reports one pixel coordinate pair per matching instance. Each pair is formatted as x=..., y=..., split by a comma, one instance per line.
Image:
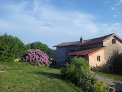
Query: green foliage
x=52, y=53
x=38, y=45
x=100, y=86
x=95, y=69
x=28, y=46
x=117, y=64
x=10, y=47
x=79, y=73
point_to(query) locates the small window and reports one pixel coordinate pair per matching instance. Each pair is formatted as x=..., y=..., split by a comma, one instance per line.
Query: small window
x=98, y=58
x=113, y=41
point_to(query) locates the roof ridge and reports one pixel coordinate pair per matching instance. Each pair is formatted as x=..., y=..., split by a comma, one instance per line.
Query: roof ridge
x=102, y=36
x=89, y=41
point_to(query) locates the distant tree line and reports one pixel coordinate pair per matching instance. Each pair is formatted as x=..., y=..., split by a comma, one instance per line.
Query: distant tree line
x=38, y=45
x=12, y=47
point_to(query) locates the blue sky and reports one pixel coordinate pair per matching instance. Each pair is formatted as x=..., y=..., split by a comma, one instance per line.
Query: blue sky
x=56, y=21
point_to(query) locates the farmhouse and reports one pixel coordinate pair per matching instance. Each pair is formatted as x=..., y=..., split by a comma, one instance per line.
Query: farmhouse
x=98, y=51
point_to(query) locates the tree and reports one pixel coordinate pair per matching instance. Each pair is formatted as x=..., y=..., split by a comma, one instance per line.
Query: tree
x=38, y=45
x=10, y=47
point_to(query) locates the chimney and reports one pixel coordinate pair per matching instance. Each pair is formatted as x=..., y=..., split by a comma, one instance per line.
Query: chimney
x=81, y=39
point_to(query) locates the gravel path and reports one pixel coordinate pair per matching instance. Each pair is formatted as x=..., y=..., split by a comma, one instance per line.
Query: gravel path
x=110, y=82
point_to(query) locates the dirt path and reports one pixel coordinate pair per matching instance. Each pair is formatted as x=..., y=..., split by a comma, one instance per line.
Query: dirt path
x=110, y=82
x=3, y=71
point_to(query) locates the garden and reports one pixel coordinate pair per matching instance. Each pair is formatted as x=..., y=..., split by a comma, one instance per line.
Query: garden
x=35, y=72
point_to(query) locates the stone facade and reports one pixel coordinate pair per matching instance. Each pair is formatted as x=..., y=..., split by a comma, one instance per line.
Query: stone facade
x=61, y=53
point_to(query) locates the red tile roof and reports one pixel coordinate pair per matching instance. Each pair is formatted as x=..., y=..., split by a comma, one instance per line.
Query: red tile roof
x=87, y=51
x=87, y=42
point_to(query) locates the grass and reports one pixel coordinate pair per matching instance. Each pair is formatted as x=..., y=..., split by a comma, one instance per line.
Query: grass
x=19, y=77
x=112, y=76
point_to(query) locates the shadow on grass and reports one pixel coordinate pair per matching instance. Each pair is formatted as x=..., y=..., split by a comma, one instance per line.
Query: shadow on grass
x=60, y=77
x=118, y=86
x=50, y=75
x=56, y=66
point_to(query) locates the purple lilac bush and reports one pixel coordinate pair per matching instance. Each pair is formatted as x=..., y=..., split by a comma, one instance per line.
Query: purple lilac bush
x=36, y=57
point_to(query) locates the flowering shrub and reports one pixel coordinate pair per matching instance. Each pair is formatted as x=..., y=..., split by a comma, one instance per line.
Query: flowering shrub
x=101, y=87
x=36, y=57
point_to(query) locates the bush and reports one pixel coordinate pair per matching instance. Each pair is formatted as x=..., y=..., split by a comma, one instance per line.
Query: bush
x=36, y=57
x=10, y=47
x=99, y=69
x=78, y=72
x=117, y=64
x=100, y=87
x=38, y=45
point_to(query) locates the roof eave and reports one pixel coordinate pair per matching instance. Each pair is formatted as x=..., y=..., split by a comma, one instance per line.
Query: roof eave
x=66, y=46
x=96, y=51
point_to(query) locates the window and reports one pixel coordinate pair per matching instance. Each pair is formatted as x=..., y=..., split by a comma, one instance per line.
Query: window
x=98, y=58
x=113, y=41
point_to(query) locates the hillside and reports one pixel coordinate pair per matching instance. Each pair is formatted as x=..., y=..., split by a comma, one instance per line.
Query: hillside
x=17, y=76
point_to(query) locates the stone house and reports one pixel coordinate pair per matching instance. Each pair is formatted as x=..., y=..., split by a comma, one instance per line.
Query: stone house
x=98, y=51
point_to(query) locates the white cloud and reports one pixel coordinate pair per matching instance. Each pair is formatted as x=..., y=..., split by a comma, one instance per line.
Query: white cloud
x=117, y=4
x=116, y=24
x=43, y=22
x=111, y=28
x=42, y=15
x=120, y=0
x=115, y=15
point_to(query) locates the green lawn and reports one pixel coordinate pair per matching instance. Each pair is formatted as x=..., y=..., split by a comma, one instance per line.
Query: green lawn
x=112, y=76
x=19, y=77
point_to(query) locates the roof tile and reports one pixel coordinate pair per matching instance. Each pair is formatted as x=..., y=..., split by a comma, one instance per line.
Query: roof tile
x=86, y=42
x=86, y=51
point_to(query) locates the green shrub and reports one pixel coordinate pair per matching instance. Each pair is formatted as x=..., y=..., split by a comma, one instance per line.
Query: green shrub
x=78, y=72
x=38, y=45
x=95, y=69
x=100, y=86
x=99, y=69
x=10, y=47
x=117, y=64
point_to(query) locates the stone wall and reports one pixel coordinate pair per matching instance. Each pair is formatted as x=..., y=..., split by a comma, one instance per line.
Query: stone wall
x=61, y=53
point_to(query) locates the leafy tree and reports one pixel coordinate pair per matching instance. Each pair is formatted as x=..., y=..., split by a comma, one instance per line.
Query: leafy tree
x=38, y=45
x=28, y=46
x=10, y=47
